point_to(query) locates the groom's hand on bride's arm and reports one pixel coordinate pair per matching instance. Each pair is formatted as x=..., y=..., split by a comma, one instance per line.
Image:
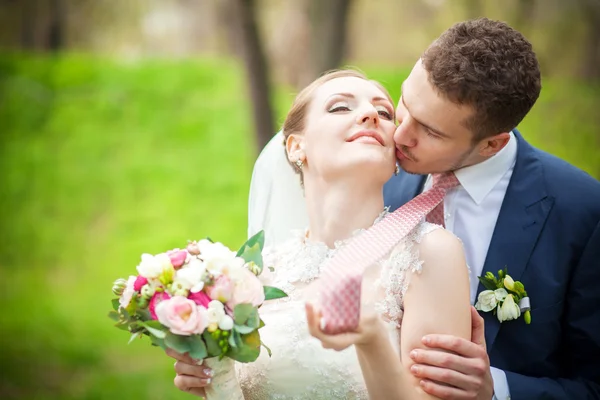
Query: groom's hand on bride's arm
x=191, y=377
x=453, y=368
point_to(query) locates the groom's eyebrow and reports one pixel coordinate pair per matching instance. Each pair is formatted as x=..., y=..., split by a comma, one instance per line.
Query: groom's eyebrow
x=413, y=117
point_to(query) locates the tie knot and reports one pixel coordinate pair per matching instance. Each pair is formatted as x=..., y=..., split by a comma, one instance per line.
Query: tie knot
x=446, y=180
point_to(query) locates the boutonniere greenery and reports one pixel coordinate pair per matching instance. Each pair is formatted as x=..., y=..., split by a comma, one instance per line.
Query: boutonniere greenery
x=506, y=298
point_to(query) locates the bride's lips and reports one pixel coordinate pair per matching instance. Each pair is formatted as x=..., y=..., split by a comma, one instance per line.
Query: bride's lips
x=367, y=134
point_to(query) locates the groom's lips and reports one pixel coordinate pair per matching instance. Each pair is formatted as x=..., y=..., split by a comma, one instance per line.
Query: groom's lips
x=375, y=135
x=400, y=155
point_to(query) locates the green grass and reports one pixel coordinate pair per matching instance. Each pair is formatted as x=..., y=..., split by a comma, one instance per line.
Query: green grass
x=103, y=160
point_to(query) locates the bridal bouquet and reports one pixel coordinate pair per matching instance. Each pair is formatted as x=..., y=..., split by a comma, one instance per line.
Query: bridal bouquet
x=203, y=300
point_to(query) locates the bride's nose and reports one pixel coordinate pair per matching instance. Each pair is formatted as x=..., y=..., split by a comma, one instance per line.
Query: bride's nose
x=369, y=115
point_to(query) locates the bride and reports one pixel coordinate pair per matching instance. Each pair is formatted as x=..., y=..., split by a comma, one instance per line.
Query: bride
x=339, y=139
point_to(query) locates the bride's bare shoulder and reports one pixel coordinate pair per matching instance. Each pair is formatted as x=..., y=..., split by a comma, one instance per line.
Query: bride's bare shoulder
x=440, y=247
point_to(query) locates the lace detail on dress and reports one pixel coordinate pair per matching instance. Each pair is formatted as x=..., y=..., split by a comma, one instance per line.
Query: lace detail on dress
x=395, y=279
x=299, y=367
x=299, y=260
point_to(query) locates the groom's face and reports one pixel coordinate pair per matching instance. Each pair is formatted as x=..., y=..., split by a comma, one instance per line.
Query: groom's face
x=431, y=135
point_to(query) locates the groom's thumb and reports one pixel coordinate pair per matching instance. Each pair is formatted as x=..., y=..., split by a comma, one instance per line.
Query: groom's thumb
x=477, y=328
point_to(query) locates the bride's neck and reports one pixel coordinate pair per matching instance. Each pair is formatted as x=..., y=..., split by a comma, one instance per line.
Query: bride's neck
x=335, y=211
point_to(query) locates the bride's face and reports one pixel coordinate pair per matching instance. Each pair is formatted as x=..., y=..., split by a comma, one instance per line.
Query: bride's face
x=349, y=130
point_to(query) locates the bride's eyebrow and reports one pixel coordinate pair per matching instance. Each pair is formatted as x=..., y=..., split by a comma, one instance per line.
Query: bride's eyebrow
x=351, y=96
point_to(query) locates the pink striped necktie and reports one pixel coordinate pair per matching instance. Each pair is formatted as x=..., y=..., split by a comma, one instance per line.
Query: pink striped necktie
x=341, y=276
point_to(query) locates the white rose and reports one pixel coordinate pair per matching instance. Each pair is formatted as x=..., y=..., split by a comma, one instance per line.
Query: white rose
x=127, y=295
x=190, y=276
x=151, y=267
x=226, y=323
x=508, y=310
x=216, y=312
x=486, y=301
x=218, y=258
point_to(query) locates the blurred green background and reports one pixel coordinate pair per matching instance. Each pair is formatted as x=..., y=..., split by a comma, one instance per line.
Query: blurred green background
x=105, y=155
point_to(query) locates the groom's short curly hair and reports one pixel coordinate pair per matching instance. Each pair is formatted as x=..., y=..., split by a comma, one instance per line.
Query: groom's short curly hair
x=489, y=66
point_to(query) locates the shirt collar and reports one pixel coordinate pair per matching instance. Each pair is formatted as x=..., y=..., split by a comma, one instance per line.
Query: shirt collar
x=479, y=179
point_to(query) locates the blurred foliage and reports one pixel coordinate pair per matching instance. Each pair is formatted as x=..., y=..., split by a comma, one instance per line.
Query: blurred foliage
x=102, y=160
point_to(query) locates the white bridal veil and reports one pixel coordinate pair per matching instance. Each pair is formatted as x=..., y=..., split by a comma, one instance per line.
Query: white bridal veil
x=276, y=203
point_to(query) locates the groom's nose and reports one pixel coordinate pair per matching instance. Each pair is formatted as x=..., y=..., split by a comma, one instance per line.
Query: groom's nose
x=405, y=134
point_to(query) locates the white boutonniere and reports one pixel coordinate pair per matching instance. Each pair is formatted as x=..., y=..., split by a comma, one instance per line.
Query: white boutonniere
x=505, y=297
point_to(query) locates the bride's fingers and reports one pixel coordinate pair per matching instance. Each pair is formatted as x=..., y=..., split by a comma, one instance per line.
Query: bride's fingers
x=313, y=317
x=335, y=342
x=194, y=370
x=186, y=383
x=180, y=357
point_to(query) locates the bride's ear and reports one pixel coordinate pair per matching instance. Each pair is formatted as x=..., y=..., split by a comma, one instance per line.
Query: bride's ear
x=294, y=146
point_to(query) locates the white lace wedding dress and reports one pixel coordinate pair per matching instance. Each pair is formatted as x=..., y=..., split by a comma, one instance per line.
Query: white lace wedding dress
x=299, y=367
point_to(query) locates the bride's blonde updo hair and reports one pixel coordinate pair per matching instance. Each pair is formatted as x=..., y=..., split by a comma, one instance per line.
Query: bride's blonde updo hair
x=295, y=121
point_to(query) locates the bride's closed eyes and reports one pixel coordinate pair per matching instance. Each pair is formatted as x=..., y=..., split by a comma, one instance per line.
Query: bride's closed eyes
x=343, y=106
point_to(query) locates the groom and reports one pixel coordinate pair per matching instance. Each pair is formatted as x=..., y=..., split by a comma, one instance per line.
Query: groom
x=516, y=207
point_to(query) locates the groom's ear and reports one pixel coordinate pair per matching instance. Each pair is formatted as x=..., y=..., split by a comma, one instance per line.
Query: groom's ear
x=294, y=145
x=493, y=144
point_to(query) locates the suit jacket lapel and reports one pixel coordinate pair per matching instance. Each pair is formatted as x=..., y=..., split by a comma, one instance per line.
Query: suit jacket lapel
x=522, y=216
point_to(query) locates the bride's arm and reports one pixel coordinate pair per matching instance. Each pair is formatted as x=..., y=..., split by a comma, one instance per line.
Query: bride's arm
x=437, y=301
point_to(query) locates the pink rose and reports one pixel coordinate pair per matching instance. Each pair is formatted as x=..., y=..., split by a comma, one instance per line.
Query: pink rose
x=221, y=290
x=139, y=282
x=200, y=298
x=177, y=257
x=158, y=298
x=182, y=316
x=247, y=290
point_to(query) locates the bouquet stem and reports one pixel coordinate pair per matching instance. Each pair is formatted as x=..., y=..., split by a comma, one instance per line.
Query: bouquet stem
x=224, y=384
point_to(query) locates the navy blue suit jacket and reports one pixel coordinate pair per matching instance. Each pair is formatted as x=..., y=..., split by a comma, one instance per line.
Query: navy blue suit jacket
x=548, y=236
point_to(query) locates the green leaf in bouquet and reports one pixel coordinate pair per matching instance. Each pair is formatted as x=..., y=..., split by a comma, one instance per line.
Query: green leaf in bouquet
x=249, y=350
x=272, y=293
x=269, y=352
x=124, y=326
x=235, y=339
x=242, y=312
x=177, y=343
x=244, y=329
x=487, y=283
x=144, y=315
x=114, y=316
x=262, y=323
x=251, y=251
x=212, y=344
x=253, y=319
x=115, y=304
x=155, y=328
x=124, y=314
x=134, y=336
x=158, y=342
x=197, y=347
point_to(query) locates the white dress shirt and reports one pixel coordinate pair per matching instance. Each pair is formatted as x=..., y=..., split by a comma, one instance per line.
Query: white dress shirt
x=471, y=211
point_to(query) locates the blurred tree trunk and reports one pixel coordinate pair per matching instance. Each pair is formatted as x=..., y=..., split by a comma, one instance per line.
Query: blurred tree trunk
x=591, y=60
x=474, y=9
x=43, y=24
x=247, y=42
x=329, y=21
